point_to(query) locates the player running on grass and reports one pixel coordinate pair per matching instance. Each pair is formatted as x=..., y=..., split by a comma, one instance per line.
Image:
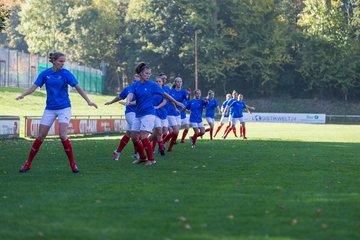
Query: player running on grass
x=56, y=80
x=144, y=91
x=236, y=113
x=129, y=117
x=196, y=106
x=225, y=116
x=211, y=105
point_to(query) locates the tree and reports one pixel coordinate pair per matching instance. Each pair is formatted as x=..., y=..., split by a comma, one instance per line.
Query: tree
x=45, y=24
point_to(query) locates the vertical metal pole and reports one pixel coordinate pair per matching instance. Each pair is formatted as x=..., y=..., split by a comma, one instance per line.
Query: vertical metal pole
x=196, y=61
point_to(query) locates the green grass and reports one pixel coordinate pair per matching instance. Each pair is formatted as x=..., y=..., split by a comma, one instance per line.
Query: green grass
x=286, y=182
x=230, y=189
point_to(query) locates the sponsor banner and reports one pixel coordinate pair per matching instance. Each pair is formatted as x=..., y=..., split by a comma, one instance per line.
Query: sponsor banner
x=78, y=126
x=9, y=128
x=285, y=117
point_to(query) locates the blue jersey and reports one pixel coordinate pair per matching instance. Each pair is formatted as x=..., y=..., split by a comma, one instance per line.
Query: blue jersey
x=56, y=84
x=183, y=113
x=123, y=95
x=236, y=108
x=196, y=109
x=229, y=103
x=210, y=107
x=161, y=112
x=168, y=103
x=179, y=96
x=144, y=94
x=224, y=104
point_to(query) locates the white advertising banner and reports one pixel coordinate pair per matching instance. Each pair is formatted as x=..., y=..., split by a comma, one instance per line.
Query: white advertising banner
x=285, y=117
x=9, y=128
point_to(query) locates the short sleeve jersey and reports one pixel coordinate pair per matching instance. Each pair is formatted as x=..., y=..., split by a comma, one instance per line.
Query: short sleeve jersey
x=196, y=107
x=210, y=108
x=123, y=95
x=236, y=108
x=179, y=96
x=224, y=104
x=144, y=93
x=56, y=84
x=161, y=112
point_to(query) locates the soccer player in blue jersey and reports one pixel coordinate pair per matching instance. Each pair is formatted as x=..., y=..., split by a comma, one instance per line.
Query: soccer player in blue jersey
x=144, y=91
x=235, y=110
x=174, y=118
x=185, y=119
x=225, y=116
x=129, y=117
x=233, y=99
x=56, y=80
x=196, y=106
x=160, y=118
x=211, y=105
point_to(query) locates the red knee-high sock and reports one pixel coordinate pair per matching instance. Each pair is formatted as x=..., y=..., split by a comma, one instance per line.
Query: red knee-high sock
x=217, y=130
x=241, y=130
x=226, y=129
x=33, y=151
x=234, y=131
x=146, y=143
x=194, y=138
x=69, y=152
x=185, y=132
x=168, y=137
x=244, y=132
x=154, y=142
x=139, y=148
x=164, y=136
x=172, y=141
x=161, y=145
x=124, y=140
x=227, y=132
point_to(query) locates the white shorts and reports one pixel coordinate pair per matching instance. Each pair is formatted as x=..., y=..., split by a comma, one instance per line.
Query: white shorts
x=210, y=120
x=224, y=119
x=197, y=125
x=185, y=121
x=49, y=116
x=174, y=121
x=235, y=120
x=159, y=123
x=166, y=123
x=130, y=118
x=145, y=123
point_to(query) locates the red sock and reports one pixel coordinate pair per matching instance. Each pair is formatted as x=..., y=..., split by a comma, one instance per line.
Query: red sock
x=185, y=132
x=234, y=131
x=161, y=145
x=244, y=132
x=207, y=130
x=33, y=151
x=146, y=143
x=124, y=140
x=211, y=133
x=164, y=135
x=172, y=142
x=227, y=132
x=217, y=130
x=140, y=149
x=168, y=137
x=154, y=142
x=226, y=129
x=69, y=152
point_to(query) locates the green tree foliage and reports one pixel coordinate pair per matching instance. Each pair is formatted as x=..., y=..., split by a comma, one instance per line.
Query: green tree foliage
x=330, y=61
x=45, y=24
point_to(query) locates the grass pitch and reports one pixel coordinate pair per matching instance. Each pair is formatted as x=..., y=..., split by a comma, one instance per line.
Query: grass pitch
x=285, y=182
x=233, y=189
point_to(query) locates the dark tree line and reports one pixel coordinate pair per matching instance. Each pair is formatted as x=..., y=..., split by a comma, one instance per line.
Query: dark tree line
x=263, y=48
